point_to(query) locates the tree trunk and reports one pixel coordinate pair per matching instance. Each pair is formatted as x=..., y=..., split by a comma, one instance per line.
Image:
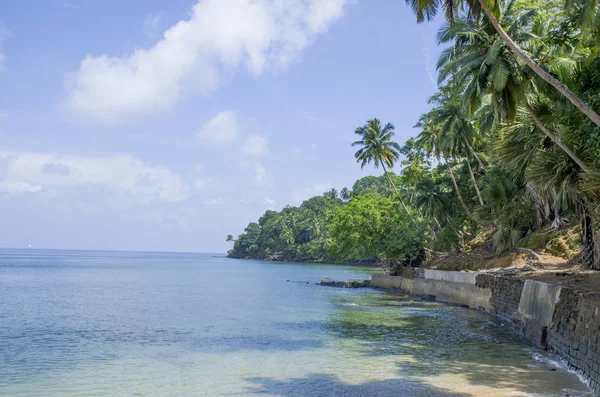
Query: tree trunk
x=460, y=236
x=563, y=89
x=474, y=153
x=456, y=186
x=475, y=182
x=587, y=243
x=556, y=139
x=396, y=190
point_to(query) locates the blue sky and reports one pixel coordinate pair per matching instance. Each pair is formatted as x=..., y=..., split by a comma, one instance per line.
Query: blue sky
x=153, y=125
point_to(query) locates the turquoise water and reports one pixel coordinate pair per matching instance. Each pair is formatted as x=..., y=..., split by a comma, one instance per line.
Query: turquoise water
x=84, y=323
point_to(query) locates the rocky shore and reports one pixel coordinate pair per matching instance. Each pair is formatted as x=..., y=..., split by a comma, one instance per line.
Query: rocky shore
x=345, y=284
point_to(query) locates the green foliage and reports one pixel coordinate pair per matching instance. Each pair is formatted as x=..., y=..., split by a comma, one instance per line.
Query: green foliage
x=445, y=240
x=371, y=228
x=501, y=151
x=293, y=234
x=315, y=230
x=376, y=145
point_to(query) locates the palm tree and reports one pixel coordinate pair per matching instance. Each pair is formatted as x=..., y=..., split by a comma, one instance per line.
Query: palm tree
x=588, y=13
x=481, y=59
x=456, y=127
x=378, y=148
x=331, y=194
x=229, y=239
x=522, y=148
x=431, y=200
x=427, y=9
x=438, y=145
x=345, y=194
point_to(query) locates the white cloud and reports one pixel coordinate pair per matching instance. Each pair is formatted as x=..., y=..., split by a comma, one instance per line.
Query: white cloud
x=3, y=35
x=222, y=128
x=151, y=25
x=13, y=188
x=33, y=172
x=256, y=145
x=270, y=204
x=260, y=174
x=71, y=6
x=197, y=55
x=299, y=195
x=430, y=62
x=213, y=201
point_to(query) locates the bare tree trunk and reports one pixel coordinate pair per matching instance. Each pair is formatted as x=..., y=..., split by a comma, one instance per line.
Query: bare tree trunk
x=459, y=235
x=556, y=139
x=475, y=182
x=587, y=242
x=474, y=153
x=563, y=89
x=456, y=186
x=397, y=192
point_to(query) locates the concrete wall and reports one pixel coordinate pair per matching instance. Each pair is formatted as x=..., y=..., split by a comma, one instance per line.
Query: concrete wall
x=453, y=277
x=574, y=333
x=385, y=281
x=560, y=319
x=459, y=293
x=537, y=301
x=444, y=291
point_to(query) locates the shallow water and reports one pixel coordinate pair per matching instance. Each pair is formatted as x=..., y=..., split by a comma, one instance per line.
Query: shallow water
x=83, y=323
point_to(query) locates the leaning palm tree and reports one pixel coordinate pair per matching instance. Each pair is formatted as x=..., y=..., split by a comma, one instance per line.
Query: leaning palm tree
x=524, y=150
x=378, y=148
x=456, y=127
x=427, y=9
x=431, y=200
x=588, y=17
x=440, y=146
x=481, y=60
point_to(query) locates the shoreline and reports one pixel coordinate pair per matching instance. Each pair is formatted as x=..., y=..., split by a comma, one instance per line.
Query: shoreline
x=559, y=319
x=318, y=261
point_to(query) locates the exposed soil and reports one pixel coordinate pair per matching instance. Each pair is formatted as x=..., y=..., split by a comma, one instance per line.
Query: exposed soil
x=549, y=269
x=550, y=257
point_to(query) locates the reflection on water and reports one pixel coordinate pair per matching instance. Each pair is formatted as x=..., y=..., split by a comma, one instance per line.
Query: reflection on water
x=139, y=324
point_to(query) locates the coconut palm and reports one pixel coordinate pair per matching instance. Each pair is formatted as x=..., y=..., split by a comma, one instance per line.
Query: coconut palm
x=456, y=127
x=524, y=150
x=588, y=17
x=331, y=194
x=428, y=9
x=378, y=148
x=229, y=239
x=431, y=200
x=345, y=194
x=480, y=58
x=439, y=145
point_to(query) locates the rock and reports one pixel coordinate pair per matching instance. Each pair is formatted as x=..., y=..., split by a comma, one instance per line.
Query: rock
x=345, y=284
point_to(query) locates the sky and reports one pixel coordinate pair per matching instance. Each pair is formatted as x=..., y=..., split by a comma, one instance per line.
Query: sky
x=157, y=125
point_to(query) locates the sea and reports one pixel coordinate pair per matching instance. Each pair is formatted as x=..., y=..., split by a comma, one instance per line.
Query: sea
x=99, y=323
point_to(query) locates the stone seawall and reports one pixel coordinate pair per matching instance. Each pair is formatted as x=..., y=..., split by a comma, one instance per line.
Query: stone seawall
x=562, y=320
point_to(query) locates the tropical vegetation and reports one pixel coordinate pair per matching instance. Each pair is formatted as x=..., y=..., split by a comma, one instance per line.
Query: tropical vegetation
x=510, y=147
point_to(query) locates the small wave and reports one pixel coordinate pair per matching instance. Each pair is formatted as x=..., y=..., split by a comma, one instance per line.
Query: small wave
x=349, y=304
x=561, y=364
